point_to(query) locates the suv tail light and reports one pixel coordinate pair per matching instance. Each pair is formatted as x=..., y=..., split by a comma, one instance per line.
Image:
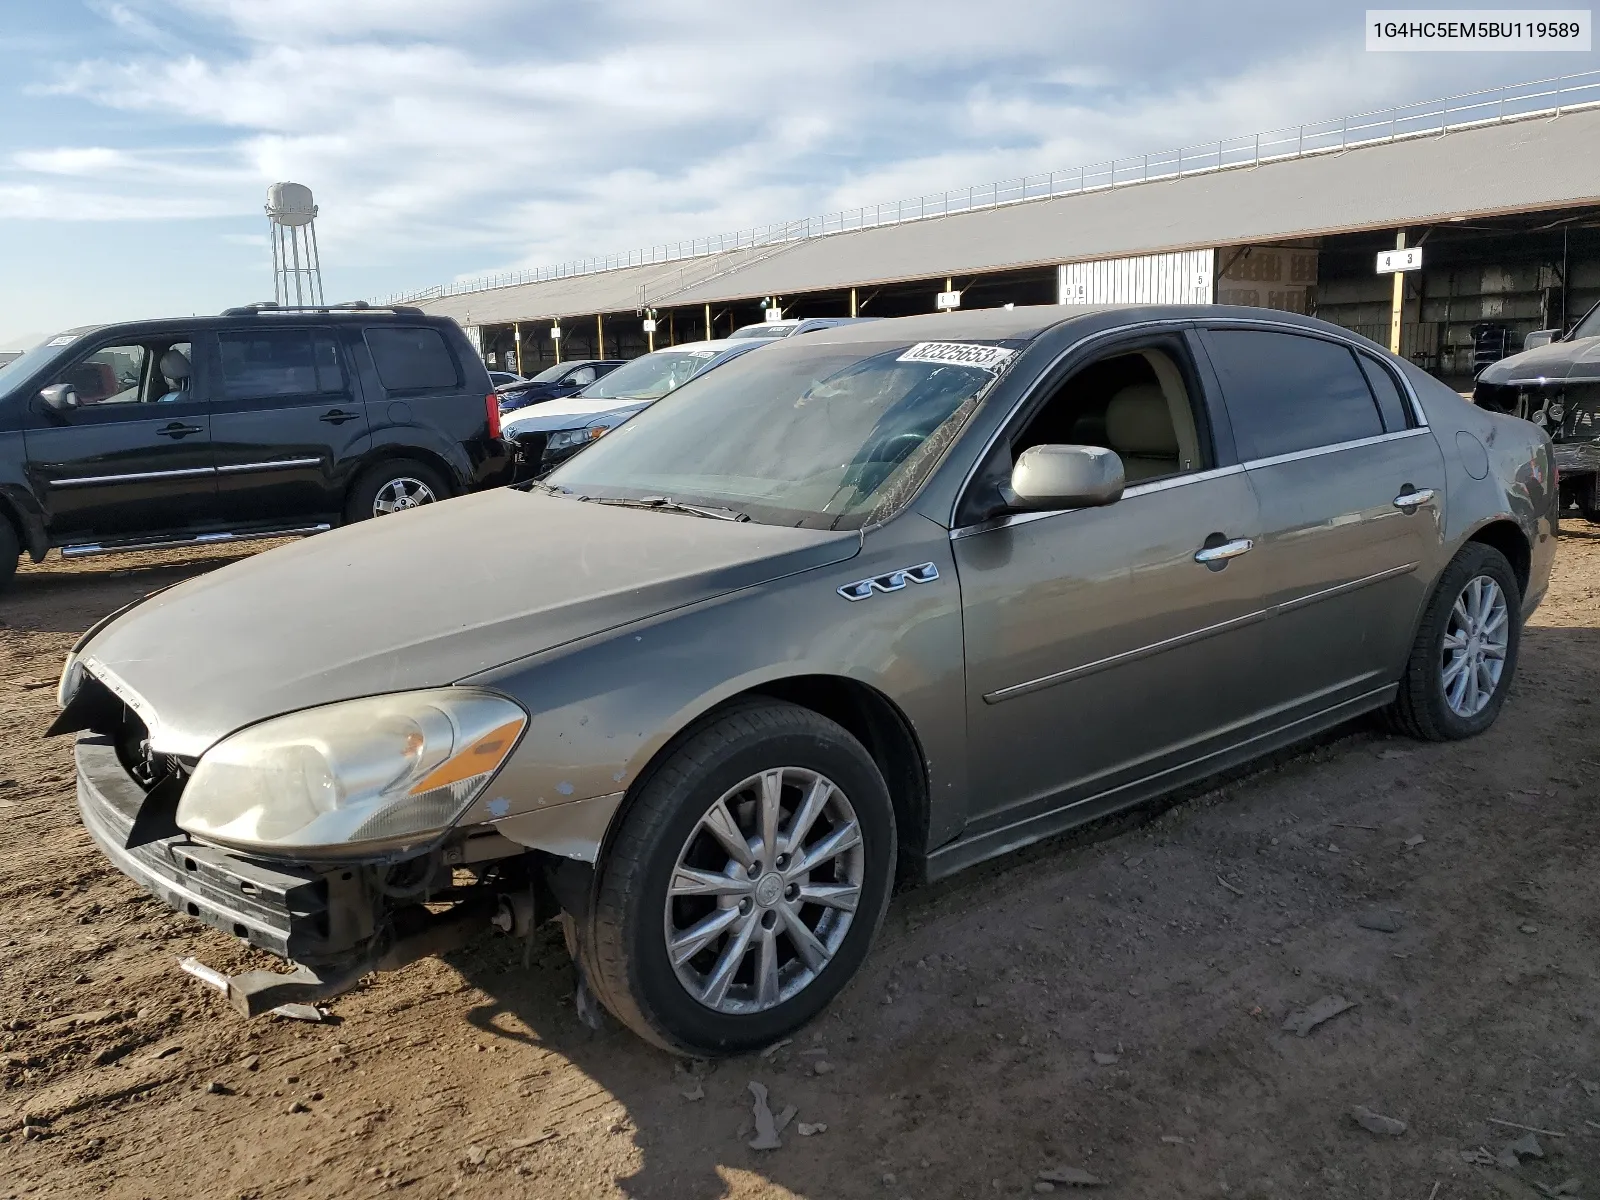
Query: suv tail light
x=491, y=404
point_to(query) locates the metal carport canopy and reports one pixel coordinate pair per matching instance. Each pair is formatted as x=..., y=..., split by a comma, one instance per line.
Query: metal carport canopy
x=1519, y=166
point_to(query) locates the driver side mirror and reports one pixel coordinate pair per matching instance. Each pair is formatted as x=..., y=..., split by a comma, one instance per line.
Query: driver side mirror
x=1051, y=477
x=1540, y=337
x=62, y=397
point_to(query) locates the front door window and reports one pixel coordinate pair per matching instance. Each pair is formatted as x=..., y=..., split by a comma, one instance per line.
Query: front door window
x=114, y=375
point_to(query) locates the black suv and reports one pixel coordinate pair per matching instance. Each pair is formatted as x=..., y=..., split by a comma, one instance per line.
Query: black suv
x=263, y=421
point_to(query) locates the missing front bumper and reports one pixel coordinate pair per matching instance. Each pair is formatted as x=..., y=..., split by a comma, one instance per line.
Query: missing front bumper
x=333, y=923
x=293, y=912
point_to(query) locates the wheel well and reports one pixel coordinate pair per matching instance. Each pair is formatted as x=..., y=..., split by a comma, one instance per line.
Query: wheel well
x=8, y=513
x=874, y=721
x=394, y=453
x=1507, y=537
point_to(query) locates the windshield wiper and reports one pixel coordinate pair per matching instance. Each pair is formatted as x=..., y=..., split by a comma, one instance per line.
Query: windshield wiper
x=668, y=504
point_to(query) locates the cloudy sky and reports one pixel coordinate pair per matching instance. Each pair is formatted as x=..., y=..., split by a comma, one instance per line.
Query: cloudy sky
x=452, y=139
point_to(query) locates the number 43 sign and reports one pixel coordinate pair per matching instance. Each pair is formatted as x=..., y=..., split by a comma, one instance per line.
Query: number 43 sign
x=1390, y=261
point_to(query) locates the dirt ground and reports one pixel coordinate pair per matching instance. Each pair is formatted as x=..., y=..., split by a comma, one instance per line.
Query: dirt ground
x=1111, y=1001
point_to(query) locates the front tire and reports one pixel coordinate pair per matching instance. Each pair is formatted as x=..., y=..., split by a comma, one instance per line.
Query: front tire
x=1465, y=653
x=745, y=885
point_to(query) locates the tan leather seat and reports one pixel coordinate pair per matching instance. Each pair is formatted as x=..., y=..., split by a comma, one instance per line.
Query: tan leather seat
x=1139, y=428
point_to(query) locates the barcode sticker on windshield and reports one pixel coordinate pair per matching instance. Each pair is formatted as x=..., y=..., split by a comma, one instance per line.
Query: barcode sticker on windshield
x=958, y=354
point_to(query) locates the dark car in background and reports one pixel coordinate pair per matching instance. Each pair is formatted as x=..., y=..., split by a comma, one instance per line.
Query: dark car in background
x=260, y=422
x=1555, y=383
x=563, y=379
x=502, y=379
x=548, y=435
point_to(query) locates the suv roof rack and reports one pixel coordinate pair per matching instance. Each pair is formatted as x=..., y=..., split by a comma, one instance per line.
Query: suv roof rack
x=251, y=310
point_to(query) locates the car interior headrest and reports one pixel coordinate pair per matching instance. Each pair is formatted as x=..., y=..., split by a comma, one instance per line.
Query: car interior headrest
x=175, y=365
x=1139, y=421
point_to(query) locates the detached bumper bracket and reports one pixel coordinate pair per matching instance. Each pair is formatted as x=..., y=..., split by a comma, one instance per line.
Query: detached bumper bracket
x=254, y=993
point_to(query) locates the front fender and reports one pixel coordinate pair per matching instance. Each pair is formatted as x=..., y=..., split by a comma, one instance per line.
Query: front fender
x=603, y=709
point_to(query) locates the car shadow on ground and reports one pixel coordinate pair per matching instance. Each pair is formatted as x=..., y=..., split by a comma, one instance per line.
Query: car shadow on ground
x=690, y=1148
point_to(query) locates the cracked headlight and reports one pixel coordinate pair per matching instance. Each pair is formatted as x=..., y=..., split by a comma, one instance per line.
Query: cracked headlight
x=387, y=771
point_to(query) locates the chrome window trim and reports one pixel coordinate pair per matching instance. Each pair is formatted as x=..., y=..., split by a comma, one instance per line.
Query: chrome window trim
x=1133, y=493
x=1194, y=635
x=132, y=477
x=1169, y=324
x=1317, y=451
x=275, y=465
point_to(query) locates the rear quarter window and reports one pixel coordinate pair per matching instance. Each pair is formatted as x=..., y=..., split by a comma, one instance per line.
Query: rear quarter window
x=1396, y=413
x=1286, y=393
x=411, y=358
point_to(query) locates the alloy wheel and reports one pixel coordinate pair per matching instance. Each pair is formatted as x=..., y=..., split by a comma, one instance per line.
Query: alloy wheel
x=764, y=890
x=1475, y=641
x=402, y=493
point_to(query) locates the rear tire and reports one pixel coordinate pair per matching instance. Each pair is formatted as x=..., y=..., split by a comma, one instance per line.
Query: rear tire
x=10, y=550
x=393, y=485
x=1452, y=688
x=675, y=868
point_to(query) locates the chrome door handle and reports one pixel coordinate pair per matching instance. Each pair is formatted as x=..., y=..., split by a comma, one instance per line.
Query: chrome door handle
x=1214, y=554
x=1411, y=501
x=178, y=430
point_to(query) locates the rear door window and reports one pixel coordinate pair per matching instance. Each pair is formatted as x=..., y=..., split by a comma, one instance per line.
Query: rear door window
x=1396, y=413
x=1286, y=393
x=411, y=359
x=266, y=363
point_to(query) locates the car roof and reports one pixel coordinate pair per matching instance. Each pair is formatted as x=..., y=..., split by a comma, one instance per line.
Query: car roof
x=1027, y=323
x=233, y=319
x=981, y=323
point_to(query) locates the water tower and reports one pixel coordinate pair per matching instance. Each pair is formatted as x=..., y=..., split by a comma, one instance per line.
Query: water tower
x=292, y=226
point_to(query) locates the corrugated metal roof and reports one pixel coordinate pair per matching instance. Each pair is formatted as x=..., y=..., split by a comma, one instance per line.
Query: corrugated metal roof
x=1515, y=167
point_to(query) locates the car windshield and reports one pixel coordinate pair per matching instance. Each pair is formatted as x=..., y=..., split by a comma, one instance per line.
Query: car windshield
x=1588, y=327
x=762, y=331
x=650, y=377
x=24, y=365
x=824, y=435
x=551, y=374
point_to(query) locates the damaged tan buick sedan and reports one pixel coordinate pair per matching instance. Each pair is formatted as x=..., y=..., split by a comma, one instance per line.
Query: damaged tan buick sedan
x=865, y=606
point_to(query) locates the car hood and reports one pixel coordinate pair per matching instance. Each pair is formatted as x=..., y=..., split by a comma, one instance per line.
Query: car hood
x=421, y=599
x=568, y=414
x=1558, y=360
x=527, y=389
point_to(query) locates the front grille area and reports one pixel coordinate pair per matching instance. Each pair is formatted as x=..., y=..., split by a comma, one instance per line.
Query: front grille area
x=528, y=454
